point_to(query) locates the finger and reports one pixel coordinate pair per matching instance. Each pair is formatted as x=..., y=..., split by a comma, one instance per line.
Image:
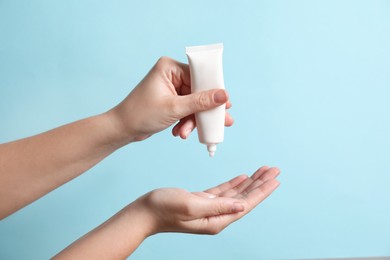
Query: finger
x=260, y=176
x=176, y=128
x=254, y=197
x=188, y=124
x=187, y=127
x=217, y=223
x=206, y=207
x=176, y=72
x=228, y=104
x=268, y=175
x=271, y=173
x=228, y=119
x=245, y=184
x=259, y=172
x=197, y=102
x=238, y=189
x=227, y=185
x=265, y=173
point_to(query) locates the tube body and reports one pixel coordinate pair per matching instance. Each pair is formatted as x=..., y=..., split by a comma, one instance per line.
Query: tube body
x=207, y=73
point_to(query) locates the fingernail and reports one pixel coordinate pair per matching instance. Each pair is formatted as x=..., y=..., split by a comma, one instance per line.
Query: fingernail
x=238, y=207
x=220, y=96
x=187, y=132
x=211, y=196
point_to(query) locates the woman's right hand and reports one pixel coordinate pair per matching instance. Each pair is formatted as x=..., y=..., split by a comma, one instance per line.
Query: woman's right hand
x=162, y=99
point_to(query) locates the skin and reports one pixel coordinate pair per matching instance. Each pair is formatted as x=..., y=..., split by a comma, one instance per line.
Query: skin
x=174, y=210
x=34, y=166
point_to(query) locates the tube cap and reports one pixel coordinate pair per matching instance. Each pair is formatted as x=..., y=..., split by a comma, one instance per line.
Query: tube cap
x=211, y=148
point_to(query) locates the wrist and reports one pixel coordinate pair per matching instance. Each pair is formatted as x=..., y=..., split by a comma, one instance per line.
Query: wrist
x=117, y=238
x=118, y=135
x=141, y=216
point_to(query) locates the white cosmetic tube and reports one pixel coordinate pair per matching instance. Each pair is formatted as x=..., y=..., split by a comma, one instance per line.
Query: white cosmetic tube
x=207, y=73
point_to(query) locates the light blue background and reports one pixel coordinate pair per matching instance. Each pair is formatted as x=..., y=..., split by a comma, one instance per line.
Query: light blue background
x=310, y=86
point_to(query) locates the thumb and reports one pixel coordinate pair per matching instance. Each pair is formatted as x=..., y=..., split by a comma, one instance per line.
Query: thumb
x=207, y=207
x=201, y=101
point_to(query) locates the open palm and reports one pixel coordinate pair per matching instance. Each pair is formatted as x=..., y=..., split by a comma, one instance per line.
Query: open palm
x=210, y=211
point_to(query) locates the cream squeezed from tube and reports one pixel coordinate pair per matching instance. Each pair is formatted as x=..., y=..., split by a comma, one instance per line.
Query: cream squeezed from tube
x=207, y=73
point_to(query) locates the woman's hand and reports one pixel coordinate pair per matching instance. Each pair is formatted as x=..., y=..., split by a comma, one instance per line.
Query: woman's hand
x=209, y=212
x=174, y=210
x=33, y=166
x=161, y=99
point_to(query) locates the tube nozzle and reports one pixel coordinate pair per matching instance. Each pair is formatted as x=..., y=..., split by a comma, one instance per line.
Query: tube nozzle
x=211, y=148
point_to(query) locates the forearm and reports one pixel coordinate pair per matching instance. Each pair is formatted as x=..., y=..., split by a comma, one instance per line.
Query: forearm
x=117, y=238
x=32, y=167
